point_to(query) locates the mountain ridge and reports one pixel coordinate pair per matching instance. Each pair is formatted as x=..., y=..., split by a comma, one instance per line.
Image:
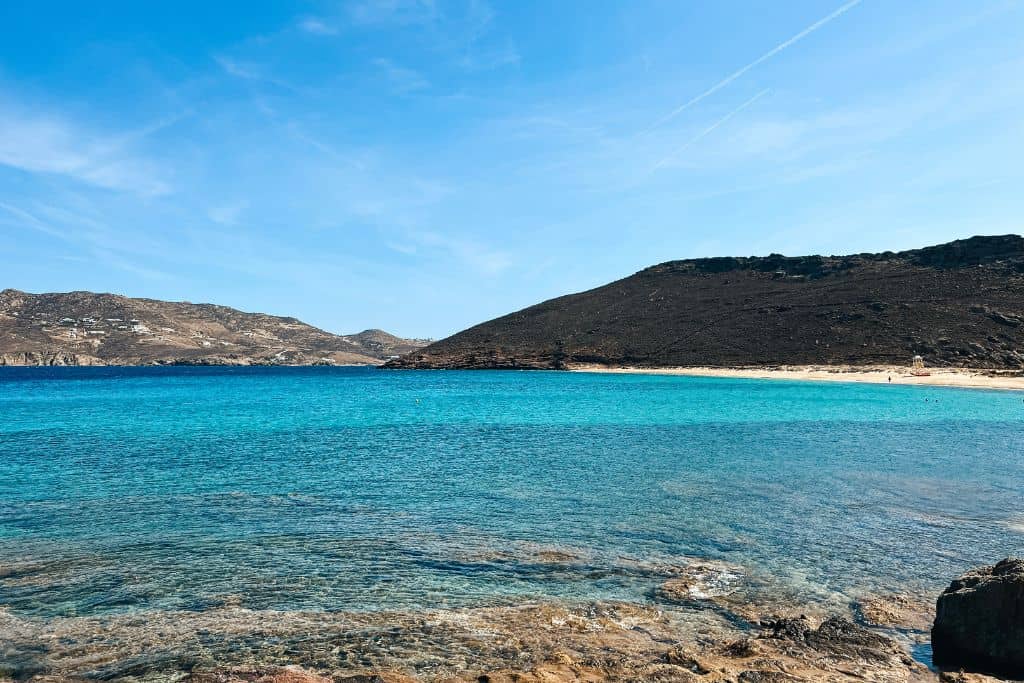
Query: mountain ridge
x=89, y=328
x=958, y=304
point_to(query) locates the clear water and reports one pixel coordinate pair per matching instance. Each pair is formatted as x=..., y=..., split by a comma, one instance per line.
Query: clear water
x=362, y=489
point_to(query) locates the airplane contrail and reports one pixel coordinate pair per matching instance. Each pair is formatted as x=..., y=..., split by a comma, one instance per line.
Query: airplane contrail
x=766, y=56
x=709, y=129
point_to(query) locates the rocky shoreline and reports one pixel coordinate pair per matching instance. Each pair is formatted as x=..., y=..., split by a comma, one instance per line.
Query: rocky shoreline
x=530, y=643
x=697, y=628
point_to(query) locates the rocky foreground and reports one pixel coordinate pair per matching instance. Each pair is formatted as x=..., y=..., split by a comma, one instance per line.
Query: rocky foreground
x=959, y=304
x=980, y=620
x=691, y=633
x=83, y=328
x=553, y=643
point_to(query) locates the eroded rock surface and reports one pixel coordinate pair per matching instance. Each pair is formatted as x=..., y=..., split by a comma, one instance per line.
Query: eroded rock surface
x=897, y=611
x=979, y=621
x=701, y=581
x=552, y=643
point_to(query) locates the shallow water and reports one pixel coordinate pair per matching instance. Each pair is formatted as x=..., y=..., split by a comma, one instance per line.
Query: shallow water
x=128, y=490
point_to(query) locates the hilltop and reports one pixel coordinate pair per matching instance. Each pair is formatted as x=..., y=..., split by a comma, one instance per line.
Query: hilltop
x=85, y=328
x=959, y=304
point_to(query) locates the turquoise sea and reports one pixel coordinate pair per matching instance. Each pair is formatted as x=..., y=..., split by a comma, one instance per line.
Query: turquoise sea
x=139, y=489
x=136, y=493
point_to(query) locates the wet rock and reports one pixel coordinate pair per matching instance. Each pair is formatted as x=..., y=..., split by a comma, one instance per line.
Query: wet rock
x=680, y=657
x=700, y=581
x=979, y=621
x=290, y=674
x=836, y=640
x=896, y=611
x=792, y=629
x=374, y=678
x=842, y=638
x=547, y=673
x=754, y=676
x=744, y=647
x=963, y=677
x=258, y=675
x=664, y=673
x=596, y=642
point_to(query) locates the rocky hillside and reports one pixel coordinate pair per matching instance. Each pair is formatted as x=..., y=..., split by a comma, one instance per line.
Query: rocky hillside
x=83, y=328
x=957, y=304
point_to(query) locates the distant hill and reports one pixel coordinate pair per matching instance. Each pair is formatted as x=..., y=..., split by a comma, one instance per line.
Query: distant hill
x=956, y=304
x=83, y=328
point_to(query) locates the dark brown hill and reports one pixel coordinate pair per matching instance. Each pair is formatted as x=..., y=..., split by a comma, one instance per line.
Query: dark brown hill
x=83, y=328
x=956, y=304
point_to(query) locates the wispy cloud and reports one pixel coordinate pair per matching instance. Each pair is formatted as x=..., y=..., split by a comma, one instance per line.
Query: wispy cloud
x=751, y=148
x=31, y=221
x=235, y=68
x=50, y=144
x=113, y=260
x=402, y=80
x=843, y=9
x=468, y=32
x=317, y=27
x=401, y=247
x=459, y=31
x=98, y=242
x=485, y=59
x=376, y=12
x=248, y=71
x=227, y=214
x=478, y=257
x=710, y=129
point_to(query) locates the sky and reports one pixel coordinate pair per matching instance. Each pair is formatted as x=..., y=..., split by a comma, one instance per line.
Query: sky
x=424, y=165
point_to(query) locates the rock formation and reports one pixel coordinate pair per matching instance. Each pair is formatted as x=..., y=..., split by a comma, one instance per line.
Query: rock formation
x=979, y=621
x=539, y=643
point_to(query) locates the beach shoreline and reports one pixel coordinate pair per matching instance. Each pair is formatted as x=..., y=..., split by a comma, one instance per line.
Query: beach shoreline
x=875, y=374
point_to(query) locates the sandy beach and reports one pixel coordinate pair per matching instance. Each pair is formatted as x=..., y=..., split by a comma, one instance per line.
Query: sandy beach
x=948, y=377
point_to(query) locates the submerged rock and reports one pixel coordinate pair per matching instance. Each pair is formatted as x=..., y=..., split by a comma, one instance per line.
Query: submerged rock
x=801, y=649
x=897, y=611
x=979, y=621
x=599, y=642
x=700, y=581
x=290, y=674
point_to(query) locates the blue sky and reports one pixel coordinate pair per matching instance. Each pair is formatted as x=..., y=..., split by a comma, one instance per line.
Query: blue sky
x=423, y=165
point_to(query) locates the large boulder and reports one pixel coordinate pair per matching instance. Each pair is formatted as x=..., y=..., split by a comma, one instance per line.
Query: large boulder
x=979, y=621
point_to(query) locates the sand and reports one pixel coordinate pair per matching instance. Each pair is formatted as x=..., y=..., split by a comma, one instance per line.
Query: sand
x=947, y=377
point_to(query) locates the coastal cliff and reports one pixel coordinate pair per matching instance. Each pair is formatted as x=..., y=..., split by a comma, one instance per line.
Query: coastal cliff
x=84, y=328
x=959, y=304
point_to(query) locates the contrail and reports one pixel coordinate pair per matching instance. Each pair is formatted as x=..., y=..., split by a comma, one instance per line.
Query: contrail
x=766, y=56
x=710, y=129
x=31, y=220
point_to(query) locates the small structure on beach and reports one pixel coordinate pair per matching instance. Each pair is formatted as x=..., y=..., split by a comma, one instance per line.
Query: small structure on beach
x=917, y=367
